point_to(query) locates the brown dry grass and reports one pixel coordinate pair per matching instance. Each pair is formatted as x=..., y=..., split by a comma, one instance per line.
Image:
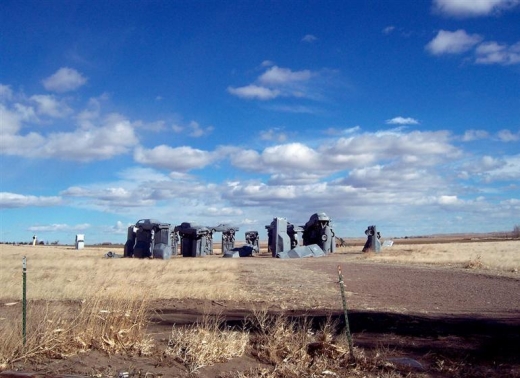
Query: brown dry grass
x=97, y=323
x=492, y=256
x=206, y=343
x=62, y=273
x=111, y=308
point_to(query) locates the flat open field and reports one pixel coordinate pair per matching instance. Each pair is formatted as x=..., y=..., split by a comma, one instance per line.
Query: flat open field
x=453, y=307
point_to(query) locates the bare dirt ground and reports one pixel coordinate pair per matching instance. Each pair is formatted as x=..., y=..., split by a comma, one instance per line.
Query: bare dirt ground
x=452, y=321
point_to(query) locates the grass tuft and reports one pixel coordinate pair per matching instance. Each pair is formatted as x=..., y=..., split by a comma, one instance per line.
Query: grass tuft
x=205, y=343
x=99, y=323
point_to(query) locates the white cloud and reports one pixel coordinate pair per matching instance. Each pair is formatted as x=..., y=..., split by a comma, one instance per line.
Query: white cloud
x=471, y=135
x=95, y=138
x=508, y=136
x=6, y=93
x=508, y=168
x=448, y=200
x=193, y=129
x=64, y=80
x=59, y=227
x=402, y=121
x=254, y=92
x=491, y=169
x=214, y=211
x=50, y=106
x=282, y=82
x=11, y=121
x=176, y=159
x=446, y=42
x=275, y=134
x=92, y=112
x=14, y=200
x=197, y=131
x=294, y=178
x=416, y=149
x=489, y=162
x=335, y=131
x=495, y=53
x=119, y=228
x=267, y=63
x=116, y=136
x=279, y=158
x=280, y=76
x=309, y=38
x=472, y=8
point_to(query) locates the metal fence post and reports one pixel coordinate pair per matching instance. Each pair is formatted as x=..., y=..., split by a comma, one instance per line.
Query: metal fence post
x=24, y=299
x=344, y=299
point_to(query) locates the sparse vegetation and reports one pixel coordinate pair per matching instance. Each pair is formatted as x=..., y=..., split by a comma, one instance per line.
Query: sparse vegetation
x=80, y=301
x=498, y=256
x=205, y=343
x=55, y=331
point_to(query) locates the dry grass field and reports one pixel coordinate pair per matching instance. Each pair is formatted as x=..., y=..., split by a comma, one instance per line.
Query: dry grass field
x=80, y=301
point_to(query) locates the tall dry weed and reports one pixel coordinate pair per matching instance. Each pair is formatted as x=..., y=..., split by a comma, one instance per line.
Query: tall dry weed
x=293, y=347
x=55, y=330
x=205, y=343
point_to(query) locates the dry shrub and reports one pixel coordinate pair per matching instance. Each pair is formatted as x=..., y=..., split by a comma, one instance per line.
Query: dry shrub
x=56, y=330
x=205, y=343
x=475, y=263
x=114, y=324
x=293, y=348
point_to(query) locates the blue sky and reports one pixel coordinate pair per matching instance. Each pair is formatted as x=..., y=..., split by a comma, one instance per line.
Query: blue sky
x=403, y=114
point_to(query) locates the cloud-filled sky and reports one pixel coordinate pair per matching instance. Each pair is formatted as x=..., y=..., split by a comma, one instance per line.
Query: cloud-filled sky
x=403, y=114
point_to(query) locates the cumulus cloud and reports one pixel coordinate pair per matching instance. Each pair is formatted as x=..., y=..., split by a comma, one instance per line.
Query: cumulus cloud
x=253, y=91
x=278, y=158
x=94, y=138
x=471, y=135
x=447, y=42
x=506, y=168
x=174, y=158
x=6, y=93
x=14, y=200
x=114, y=137
x=64, y=80
x=448, y=200
x=472, y=8
x=483, y=52
x=496, y=53
x=273, y=134
x=119, y=228
x=508, y=136
x=279, y=76
x=197, y=131
x=110, y=197
x=11, y=121
x=416, y=149
x=279, y=82
x=402, y=121
x=51, y=106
